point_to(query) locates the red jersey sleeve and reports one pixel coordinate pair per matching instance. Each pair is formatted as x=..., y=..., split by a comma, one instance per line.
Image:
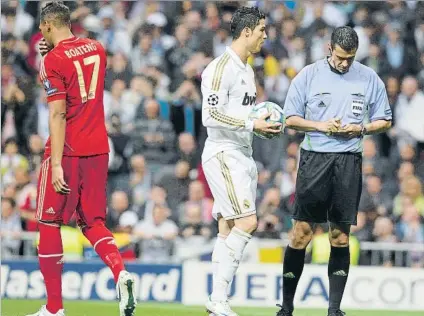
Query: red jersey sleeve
x=51, y=78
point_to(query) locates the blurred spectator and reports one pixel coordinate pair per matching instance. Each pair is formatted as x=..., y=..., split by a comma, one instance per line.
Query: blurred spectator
x=113, y=100
x=118, y=69
x=10, y=228
x=36, y=151
x=157, y=236
x=362, y=230
x=410, y=228
x=132, y=102
x=111, y=34
x=10, y=160
x=144, y=55
x=400, y=56
x=187, y=149
x=319, y=41
x=194, y=231
x=160, y=79
x=176, y=184
x=16, y=97
x=384, y=232
x=371, y=156
x=411, y=188
x=178, y=55
x=37, y=120
x=286, y=179
x=157, y=196
x=408, y=129
x=221, y=40
x=140, y=181
x=14, y=20
x=196, y=196
x=268, y=227
x=119, y=210
x=153, y=136
x=270, y=203
x=376, y=61
x=375, y=195
x=118, y=175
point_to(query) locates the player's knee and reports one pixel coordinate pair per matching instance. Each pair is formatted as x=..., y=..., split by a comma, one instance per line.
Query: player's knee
x=338, y=238
x=302, y=235
x=339, y=235
x=247, y=224
x=86, y=226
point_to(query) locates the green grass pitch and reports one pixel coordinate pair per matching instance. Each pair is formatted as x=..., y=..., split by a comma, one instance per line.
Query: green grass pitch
x=80, y=308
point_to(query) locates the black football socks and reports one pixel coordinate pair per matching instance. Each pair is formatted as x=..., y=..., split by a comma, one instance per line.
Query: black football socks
x=294, y=260
x=338, y=271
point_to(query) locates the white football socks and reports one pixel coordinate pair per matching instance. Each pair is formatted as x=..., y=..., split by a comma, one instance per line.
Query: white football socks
x=230, y=253
x=218, y=249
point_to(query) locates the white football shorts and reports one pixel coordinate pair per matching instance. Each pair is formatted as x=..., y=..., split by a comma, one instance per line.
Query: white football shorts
x=233, y=178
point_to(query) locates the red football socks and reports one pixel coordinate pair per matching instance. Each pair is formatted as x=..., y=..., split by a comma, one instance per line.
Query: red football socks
x=104, y=244
x=50, y=255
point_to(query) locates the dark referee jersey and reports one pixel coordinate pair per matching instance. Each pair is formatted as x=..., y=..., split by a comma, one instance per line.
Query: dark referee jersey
x=318, y=94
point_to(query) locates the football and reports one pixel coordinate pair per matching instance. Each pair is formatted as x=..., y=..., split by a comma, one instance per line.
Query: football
x=277, y=116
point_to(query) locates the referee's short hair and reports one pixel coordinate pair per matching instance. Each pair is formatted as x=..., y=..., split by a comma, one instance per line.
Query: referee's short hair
x=346, y=37
x=245, y=17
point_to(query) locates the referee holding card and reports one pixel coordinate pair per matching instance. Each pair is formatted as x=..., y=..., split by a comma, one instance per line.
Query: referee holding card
x=329, y=100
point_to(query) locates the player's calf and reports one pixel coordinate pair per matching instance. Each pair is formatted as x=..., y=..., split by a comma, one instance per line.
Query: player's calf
x=104, y=245
x=50, y=256
x=338, y=266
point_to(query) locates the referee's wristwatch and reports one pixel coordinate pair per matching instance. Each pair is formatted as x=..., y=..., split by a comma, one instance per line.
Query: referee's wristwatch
x=363, y=131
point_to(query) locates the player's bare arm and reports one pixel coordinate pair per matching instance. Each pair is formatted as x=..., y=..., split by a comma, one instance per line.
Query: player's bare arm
x=57, y=127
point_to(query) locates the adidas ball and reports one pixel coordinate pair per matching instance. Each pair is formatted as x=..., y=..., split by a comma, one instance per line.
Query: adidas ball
x=277, y=116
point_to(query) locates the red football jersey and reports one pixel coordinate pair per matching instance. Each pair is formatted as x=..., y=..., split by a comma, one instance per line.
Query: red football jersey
x=74, y=70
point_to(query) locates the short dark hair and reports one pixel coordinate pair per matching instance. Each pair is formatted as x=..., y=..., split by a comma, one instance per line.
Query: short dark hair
x=346, y=37
x=56, y=12
x=245, y=17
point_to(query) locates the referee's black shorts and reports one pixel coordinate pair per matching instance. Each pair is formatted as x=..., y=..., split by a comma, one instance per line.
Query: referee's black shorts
x=328, y=187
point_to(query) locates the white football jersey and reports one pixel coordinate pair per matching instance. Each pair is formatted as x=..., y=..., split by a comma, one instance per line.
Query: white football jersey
x=229, y=94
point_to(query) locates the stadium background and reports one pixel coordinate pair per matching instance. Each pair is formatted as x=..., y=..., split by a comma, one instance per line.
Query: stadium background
x=159, y=202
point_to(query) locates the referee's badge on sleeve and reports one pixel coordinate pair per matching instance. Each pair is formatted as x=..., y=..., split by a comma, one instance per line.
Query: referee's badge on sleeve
x=357, y=107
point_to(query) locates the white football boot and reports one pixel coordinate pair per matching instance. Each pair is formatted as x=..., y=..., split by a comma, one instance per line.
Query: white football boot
x=44, y=312
x=219, y=308
x=126, y=295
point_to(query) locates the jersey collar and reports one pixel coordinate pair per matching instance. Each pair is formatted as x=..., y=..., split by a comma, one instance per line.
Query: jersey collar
x=236, y=58
x=68, y=40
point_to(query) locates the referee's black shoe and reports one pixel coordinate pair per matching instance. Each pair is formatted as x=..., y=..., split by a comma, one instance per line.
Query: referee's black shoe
x=337, y=313
x=283, y=311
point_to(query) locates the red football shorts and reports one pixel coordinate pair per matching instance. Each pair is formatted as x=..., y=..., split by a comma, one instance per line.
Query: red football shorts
x=87, y=179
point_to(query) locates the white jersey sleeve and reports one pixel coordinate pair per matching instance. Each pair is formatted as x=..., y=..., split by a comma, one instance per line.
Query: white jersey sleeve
x=216, y=86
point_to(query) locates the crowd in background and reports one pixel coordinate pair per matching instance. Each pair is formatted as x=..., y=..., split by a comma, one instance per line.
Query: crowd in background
x=156, y=53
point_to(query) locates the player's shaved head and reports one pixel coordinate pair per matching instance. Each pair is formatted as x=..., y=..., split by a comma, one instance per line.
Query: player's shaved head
x=245, y=17
x=56, y=13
